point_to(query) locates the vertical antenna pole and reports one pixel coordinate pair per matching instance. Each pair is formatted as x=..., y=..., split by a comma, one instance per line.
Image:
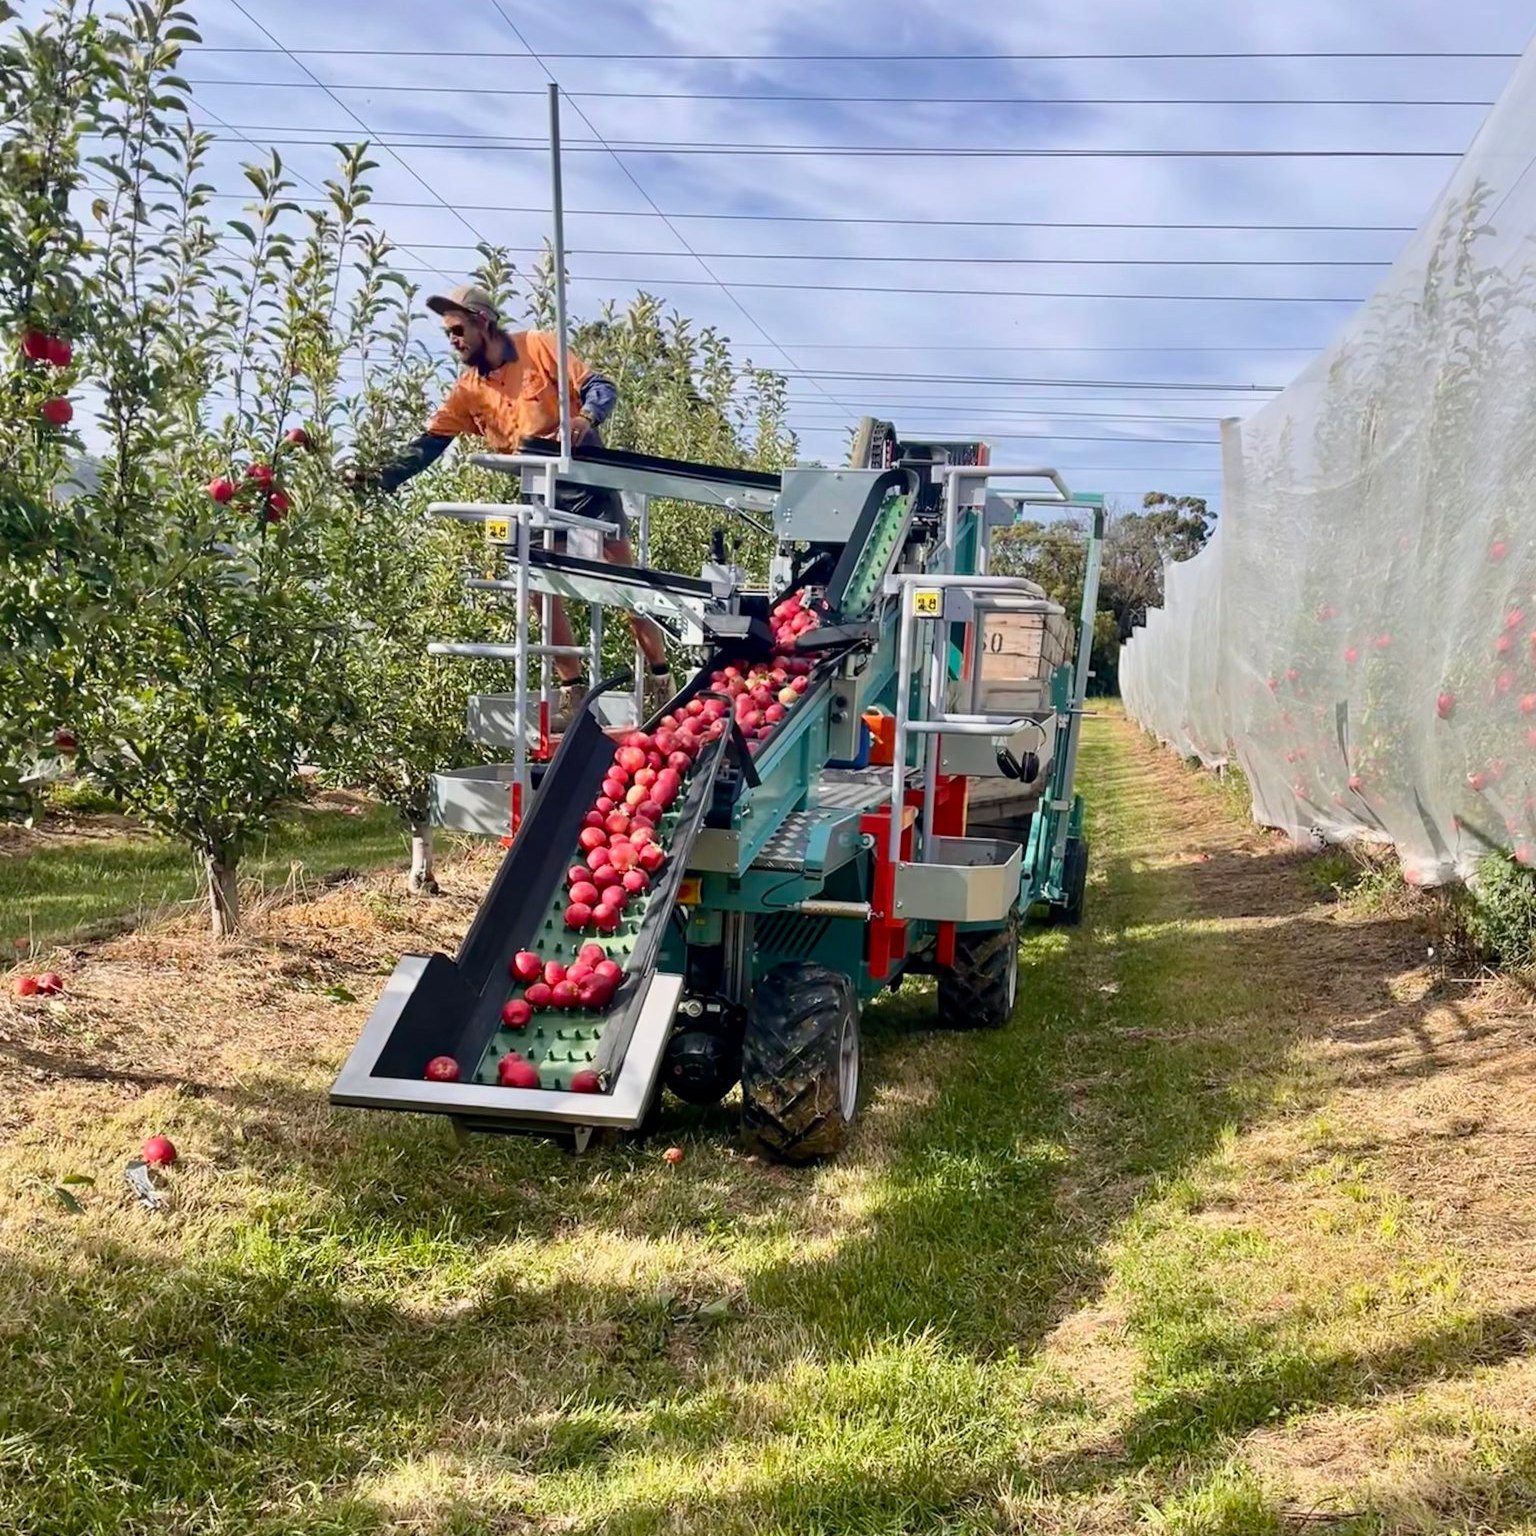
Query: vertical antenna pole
x=557, y=203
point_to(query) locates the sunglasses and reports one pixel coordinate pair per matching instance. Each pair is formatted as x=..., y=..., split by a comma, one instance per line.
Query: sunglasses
x=455, y=331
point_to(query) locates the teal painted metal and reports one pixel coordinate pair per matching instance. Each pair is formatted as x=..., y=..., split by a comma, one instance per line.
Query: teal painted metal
x=875, y=559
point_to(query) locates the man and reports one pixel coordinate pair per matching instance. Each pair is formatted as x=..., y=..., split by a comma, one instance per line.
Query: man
x=508, y=394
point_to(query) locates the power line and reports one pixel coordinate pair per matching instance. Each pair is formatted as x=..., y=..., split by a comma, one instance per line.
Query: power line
x=862, y=58
x=979, y=293
x=994, y=261
x=808, y=218
x=374, y=138
x=1058, y=437
x=677, y=234
x=1055, y=383
x=525, y=144
x=905, y=101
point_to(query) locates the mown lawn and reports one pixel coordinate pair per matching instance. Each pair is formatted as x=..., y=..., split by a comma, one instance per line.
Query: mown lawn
x=63, y=884
x=1107, y=1270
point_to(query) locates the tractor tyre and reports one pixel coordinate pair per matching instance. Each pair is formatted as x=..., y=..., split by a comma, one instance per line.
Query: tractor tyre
x=800, y=1062
x=1076, y=881
x=979, y=990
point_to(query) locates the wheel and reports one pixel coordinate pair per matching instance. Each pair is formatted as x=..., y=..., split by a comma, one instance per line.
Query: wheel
x=800, y=1062
x=979, y=990
x=1075, y=878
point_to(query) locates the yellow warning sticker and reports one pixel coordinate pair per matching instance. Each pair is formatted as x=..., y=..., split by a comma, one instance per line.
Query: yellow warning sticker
x=497, y=530
x=927, y=603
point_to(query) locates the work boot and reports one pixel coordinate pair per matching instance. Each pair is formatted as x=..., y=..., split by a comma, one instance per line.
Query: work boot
x=567, y=702
x=659, y=688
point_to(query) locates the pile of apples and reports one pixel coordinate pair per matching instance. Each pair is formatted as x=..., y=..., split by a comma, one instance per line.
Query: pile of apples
x=620, y=852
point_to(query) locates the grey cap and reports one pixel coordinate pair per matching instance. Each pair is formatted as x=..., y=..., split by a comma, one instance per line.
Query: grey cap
x=469, y=297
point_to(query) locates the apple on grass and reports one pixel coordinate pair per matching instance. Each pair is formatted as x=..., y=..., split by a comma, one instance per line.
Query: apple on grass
x=158, y=1152
x=26, y=986
x=50, y=983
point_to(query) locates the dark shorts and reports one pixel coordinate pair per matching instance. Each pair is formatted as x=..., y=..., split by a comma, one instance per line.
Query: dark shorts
x=587, y=501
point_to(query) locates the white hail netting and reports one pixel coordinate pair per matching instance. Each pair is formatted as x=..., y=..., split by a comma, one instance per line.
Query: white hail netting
x=1362, y=633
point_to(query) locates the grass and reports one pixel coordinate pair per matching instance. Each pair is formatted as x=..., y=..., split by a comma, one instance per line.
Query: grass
x=63, y=885
x=1099, y=1272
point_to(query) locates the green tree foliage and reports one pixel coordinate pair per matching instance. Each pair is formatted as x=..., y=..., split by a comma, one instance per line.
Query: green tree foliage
x=209, y=608
x=1137, y=546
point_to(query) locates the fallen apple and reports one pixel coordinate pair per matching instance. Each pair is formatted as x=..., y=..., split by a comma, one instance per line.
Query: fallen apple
x=1445, y=705
x=158, y=1152
x=50, y=983
x=441, y=1069
x=673, y=1155
x=26, y=986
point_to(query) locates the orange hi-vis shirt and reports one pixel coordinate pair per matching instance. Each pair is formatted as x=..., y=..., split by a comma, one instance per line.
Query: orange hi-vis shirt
x=519, y=400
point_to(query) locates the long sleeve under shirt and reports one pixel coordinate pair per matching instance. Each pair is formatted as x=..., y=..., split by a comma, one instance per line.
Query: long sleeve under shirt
x=506, y=405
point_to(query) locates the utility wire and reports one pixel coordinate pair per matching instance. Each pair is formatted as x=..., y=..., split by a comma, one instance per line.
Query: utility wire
x=374, y=139
x=677, y=234
x=859, y=58
x=903, y=101
x=947, y=223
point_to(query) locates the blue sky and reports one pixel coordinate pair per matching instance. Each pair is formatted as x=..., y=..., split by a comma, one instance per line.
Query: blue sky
x=800, y=326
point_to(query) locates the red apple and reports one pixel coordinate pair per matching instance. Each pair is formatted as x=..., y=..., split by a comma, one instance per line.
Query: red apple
x=50, y=983
x=526, y=966
x=616, y=897
x=26, y=986
x=592, y=954
x=666, y=741
x=598, y=859
x=605, y=878
x=592, y=837
x=566, y=995
x=643, y=834
x=585, y=1081
x=635, y=794
x=583, y=895
x=595, y=994
x=538, y=996
x=679, y=762
x=655, y=760
x=278, y=507
x=35, y=346
x=60, y=353
x=65, y=740
x=607, y=919
x=1445, y=705
x=1504, y=644
x=613, y=789
x=554, y=973
x=1351, y=655
x=1498, y=550
x=58, y=413
x=618, y=822
x=1504, y=682
x=1528, y=704
x=512, y=1071
x=578, y=915
x=1478, y=781
x=630, y=759
x=517, y=1013
x=158, y=1152
x=649, y=811
x=296, y=437
x=609, y=970
x=604, y=804
x=636, y=881
x=645, y=778
x=773, y=714
x=260, y=473
x=441, y=1069
x=221, y=490
x=594, y=819
x=651, y=858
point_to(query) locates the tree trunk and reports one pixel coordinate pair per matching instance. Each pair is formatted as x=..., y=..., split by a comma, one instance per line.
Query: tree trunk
x=423, y=881
x=223, y=895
